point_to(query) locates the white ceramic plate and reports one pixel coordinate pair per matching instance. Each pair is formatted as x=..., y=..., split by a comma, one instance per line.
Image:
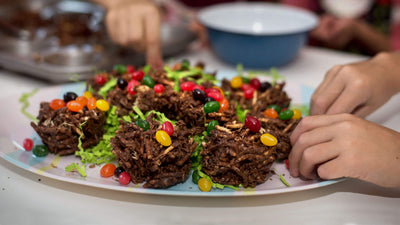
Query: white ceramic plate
x=15, y=128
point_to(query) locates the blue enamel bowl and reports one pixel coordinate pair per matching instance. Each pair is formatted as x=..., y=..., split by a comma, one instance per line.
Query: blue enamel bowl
x=256, y=34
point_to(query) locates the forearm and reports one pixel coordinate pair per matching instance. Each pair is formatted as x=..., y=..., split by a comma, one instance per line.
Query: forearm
x=390, y=62
x=373, y=40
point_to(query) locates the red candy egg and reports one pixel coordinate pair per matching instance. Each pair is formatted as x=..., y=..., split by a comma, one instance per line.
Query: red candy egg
x=158, y=88
x=187, y=86
x=131, y=85
x=168, y=127
x=137, y=75
x=252, y=123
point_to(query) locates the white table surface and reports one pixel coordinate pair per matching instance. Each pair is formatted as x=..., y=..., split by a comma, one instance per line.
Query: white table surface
x=28, y=198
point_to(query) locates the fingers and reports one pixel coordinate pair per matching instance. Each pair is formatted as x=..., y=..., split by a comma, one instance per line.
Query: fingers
x=123, y=29
x=332, y=169
x=313, y=143
x=314, y=156
x=119, y=28
x=344, y=89
x=363, y=110
x=112, y=23
x=137, y=26
x=201, y=32
x=153, y=39
x=312, y=122
x=323, y=30
x=136, y=33
x=347, y=101
x=327, y=92
x=309, y=150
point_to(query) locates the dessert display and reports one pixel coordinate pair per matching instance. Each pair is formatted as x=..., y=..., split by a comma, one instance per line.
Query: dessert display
x=164, y=126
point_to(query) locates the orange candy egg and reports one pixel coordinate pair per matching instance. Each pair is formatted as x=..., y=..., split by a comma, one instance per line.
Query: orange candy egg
x=224, y=105
x=56, y=104
x=91, y=104
x=74, y=106
x=82, y=99
x=271, y=113
x=107, y=170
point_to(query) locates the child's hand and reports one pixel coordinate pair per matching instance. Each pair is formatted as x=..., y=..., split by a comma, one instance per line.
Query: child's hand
x=335, y=146
x=335, y=32
x=137, y=24
x=358, y=88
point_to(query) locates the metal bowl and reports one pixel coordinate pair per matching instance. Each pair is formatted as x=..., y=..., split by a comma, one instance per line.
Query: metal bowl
x=48, y=57
x=73, y=56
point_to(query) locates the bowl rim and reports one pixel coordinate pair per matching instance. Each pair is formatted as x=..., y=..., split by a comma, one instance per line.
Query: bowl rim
x=209, y=9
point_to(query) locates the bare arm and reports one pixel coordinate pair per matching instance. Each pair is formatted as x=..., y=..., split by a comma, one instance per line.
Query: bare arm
x=358, y=88
x=338, y=32
x=135, y=23
x=370, y=38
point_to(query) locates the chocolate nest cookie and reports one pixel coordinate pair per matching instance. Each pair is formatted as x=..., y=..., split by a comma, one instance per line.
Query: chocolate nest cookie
x=146, y=160
x=233, y=155
x=60, y=129
x=261, y=98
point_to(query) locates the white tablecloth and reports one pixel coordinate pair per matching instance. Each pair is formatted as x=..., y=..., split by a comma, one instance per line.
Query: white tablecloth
x=28, y=198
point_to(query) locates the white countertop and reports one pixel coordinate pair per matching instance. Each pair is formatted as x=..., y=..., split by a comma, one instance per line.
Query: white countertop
x=28, y=198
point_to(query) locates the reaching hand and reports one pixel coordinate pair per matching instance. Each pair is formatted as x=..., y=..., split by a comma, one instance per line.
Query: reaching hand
x=335, y=32
x=358, y=88
x=137, y=24
x=335, y=146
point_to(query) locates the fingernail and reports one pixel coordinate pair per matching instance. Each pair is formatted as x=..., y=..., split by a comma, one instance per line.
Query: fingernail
x=294, y=172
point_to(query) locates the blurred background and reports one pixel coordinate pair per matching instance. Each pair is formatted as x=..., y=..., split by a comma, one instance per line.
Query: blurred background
x=60, y=40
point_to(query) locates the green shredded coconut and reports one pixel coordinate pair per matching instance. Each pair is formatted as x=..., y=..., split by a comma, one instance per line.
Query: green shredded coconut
x=239, y=69
x=304, y=109
x=127, y=119
x=139, y=113
x=193, y=71
x=80, y=137
x=241, y=113
x=273, y=73
x=160, y=117
x=107, y=87
x=101, y=153
x=76, y=167
x=75, y=77
x=281, y=177
x=90, y=89
x=25, y=104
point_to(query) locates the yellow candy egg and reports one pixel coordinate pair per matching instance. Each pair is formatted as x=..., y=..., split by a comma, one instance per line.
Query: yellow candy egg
x=204, y=185
x=87, y=94
x=102, y=105
x=236, y=82
x=163, y=138
x=296, y=114
x=268, y=140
